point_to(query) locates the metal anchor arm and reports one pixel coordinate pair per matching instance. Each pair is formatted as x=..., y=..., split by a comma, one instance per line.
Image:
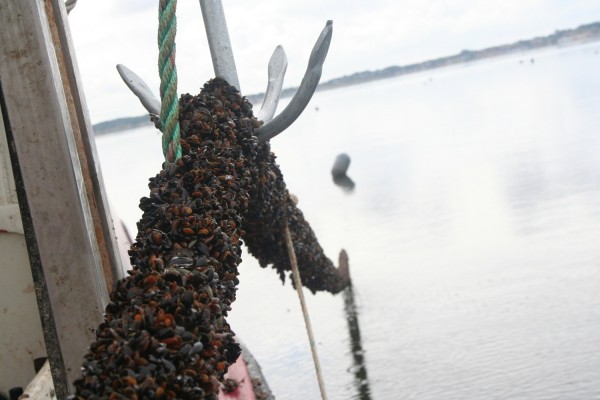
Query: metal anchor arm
x=277, y=67
x=305, y=91
x=140, y=89
x=225, y=67
x=218, y=41
x=221, y=53
x=70, y=4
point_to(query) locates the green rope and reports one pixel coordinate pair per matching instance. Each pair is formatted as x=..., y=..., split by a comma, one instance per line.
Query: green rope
x=169, y=112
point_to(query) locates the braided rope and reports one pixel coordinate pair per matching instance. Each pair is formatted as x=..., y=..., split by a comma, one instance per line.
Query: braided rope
x=169, y=112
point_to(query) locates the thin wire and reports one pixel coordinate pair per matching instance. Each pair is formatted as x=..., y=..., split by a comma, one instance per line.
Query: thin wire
x=298, y=284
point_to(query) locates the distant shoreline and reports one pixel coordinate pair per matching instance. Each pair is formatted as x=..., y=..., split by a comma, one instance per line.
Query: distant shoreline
x=570, y=37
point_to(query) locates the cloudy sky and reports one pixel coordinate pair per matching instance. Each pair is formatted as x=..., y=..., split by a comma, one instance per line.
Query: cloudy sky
x=367, y=35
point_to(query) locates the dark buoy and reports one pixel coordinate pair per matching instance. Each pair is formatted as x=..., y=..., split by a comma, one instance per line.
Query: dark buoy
x=340, y=167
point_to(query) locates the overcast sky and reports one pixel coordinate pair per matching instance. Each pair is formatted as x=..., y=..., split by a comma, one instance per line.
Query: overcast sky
x=368, y=35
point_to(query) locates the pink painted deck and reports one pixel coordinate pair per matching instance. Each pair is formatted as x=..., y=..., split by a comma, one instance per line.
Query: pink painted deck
x=239, y=372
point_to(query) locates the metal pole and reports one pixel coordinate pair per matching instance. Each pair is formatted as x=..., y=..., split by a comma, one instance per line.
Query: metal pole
x=218, y=41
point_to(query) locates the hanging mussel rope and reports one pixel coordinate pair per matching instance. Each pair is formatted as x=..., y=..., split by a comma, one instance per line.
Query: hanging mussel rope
x=164, y=334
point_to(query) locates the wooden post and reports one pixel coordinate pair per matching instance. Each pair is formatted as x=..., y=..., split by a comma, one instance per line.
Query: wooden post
x=361, y=379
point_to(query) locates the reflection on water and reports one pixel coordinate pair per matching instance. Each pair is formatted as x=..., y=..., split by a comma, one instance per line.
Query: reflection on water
x=344, y=182
x=359, y=368
x=339, y=172
x=472, y=234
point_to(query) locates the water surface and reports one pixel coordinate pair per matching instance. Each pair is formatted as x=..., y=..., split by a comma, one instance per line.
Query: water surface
x=472, y=233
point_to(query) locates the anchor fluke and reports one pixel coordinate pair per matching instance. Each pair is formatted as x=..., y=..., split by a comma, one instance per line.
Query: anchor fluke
x=277, y=67
x=141, y=90
x=305, y=91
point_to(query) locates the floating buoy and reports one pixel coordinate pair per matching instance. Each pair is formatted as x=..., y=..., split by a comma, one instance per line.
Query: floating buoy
x=339, y=170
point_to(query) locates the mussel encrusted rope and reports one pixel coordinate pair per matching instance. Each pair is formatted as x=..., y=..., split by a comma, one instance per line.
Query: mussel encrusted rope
x=164, y=334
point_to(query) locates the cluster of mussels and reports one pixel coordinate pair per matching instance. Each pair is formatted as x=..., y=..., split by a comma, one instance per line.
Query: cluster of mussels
x=164, y=335
x=271, y=207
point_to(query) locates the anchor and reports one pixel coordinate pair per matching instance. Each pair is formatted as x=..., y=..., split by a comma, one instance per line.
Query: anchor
x=164, y=333
x=226, y=70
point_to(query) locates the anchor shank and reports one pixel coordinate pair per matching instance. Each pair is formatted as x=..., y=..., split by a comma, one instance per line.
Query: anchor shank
x=218, y=41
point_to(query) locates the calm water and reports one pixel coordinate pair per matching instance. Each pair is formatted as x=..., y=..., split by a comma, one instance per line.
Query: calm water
x=472, y=233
